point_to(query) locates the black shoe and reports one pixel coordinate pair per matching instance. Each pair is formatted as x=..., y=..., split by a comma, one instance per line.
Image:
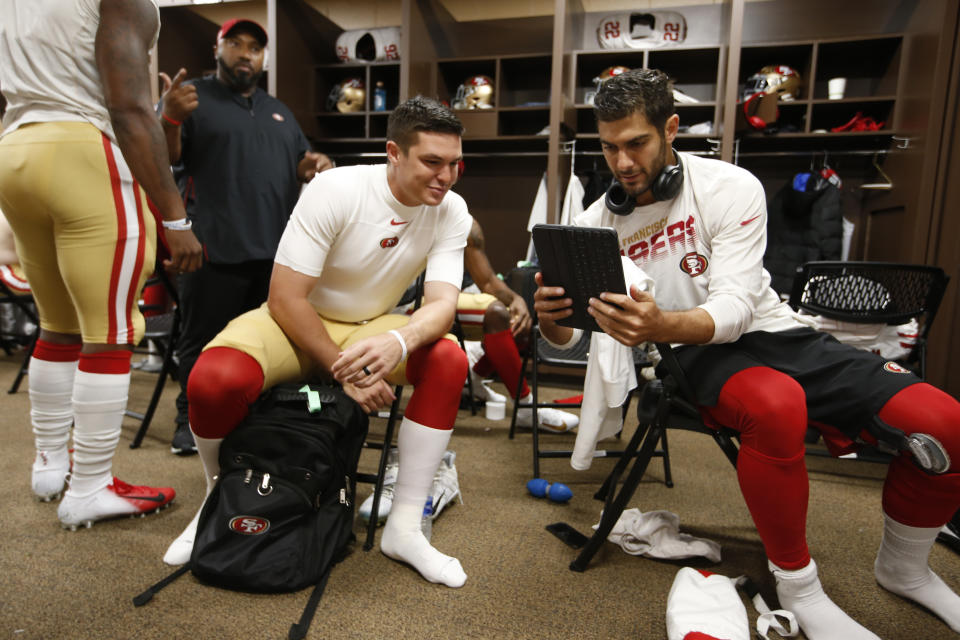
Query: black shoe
x=183, y=443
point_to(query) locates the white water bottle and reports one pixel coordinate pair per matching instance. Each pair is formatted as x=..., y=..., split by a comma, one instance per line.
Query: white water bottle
x=426, y=523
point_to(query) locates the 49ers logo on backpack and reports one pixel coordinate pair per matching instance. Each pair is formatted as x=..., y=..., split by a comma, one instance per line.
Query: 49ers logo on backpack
x=693, y=264
x=893, y=367
x=249, y=525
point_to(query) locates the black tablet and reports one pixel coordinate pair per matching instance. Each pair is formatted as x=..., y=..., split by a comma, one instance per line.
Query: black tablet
x=585, y=261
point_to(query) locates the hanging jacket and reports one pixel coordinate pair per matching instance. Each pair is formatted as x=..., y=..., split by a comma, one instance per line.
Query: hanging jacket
x=802, y=225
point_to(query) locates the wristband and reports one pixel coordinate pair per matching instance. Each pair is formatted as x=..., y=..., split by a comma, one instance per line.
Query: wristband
x=175, y=123
x=403, y=344
x=181, y=224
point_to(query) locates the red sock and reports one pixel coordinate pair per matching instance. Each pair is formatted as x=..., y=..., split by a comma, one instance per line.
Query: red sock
x=52, y=352
x=502, y=352
x=115, y=362
x=483, y=367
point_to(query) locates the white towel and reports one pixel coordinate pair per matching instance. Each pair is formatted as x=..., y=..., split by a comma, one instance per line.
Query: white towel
x=656, y=534
x=610, y=377
x=538, y=213
x=572, y=200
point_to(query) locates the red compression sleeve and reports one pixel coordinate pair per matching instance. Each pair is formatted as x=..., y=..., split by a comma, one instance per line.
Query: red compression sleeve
x=223, y=384
x=437, y=373
x=502, y=351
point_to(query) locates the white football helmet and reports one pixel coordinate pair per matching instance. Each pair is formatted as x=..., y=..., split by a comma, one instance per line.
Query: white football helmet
x=369, y=45
x=647, y=30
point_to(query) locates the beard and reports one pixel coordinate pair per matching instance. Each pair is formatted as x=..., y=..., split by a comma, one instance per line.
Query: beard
x=239, y=81
x=658, y=165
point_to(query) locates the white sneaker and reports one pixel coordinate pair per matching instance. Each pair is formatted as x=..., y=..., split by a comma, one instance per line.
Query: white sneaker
x=115, y=500
x=51, y=469
x=386, y=495
x=181, y=549
x=551, y=420
x=446, y=485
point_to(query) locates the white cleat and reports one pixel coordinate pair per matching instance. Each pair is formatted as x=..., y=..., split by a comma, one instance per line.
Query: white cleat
x=551, y=420
x=116, y=500
x=51, y=471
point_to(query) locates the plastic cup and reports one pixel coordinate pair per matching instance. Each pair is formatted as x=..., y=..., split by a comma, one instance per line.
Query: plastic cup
x=836, y=88
x=496, y=410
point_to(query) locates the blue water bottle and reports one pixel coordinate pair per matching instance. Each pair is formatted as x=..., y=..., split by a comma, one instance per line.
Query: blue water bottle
x=426, y=523
x=379, y=97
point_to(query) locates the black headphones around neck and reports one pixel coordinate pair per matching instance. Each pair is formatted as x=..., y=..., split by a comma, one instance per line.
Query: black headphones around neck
x=665, y=186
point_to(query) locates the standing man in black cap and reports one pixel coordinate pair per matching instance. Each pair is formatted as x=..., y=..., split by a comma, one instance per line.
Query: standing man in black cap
x=239, y=156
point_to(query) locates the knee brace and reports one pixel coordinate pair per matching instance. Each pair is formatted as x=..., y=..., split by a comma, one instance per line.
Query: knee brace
x=922, y=422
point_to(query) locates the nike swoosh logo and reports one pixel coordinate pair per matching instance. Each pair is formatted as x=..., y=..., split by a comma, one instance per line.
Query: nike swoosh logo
x=157, y=498
x=396, y=222
x=746, y=222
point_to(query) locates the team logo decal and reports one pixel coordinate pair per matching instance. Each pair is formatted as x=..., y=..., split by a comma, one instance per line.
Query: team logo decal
x=693, y=264
x=893, y=367
x=278, y=117
x=249, y=525
x=386, y=243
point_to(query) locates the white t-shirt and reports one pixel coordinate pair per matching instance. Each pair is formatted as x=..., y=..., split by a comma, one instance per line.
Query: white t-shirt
x=704, y=248
x=366, y=247
x=49, y=73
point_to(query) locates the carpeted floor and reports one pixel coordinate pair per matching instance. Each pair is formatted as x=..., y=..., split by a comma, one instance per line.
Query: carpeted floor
x=59, y=584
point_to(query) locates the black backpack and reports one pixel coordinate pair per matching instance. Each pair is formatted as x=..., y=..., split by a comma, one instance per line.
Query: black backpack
x=281, y=513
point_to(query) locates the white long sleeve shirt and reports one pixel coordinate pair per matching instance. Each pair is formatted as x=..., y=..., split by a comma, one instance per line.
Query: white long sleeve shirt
x=704, y=248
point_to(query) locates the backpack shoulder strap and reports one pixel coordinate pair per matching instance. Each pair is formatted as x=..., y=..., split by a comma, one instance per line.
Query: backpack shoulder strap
x=298, y=631
x=147, y=595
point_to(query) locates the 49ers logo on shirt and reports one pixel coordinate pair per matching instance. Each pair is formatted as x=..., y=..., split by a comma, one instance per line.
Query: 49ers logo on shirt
x=693, y=264
x=249, y=525
x=893, y=367
x=386, y=243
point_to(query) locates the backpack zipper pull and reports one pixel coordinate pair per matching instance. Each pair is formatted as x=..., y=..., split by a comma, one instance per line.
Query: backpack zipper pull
x=247, y=476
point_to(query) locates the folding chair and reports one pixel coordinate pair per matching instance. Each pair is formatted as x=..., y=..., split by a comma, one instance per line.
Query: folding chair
x=164, y=330
x=9, y=339
x=542, y=353
x=665, y=403
x=873, y=293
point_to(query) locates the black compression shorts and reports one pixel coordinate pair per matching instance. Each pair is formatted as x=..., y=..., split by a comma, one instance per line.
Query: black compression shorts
x=845, y=386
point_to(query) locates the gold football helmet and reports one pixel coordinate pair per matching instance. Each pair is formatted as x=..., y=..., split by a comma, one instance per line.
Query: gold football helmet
x=348, y=96
x=476, y=92
x=777, y=79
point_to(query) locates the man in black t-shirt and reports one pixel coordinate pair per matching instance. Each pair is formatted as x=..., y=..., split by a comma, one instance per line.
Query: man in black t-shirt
x=240, y=157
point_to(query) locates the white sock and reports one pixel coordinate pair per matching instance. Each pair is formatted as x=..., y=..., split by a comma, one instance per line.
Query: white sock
x=99, y=400
x=820, y=618
x=420, y=451
x=901, y=567
x=51, y=410
x=181, y=548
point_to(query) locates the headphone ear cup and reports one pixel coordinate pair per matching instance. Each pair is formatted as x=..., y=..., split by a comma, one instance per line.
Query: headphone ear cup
x=752, y=119
x=669, y=181
x=618, y=201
